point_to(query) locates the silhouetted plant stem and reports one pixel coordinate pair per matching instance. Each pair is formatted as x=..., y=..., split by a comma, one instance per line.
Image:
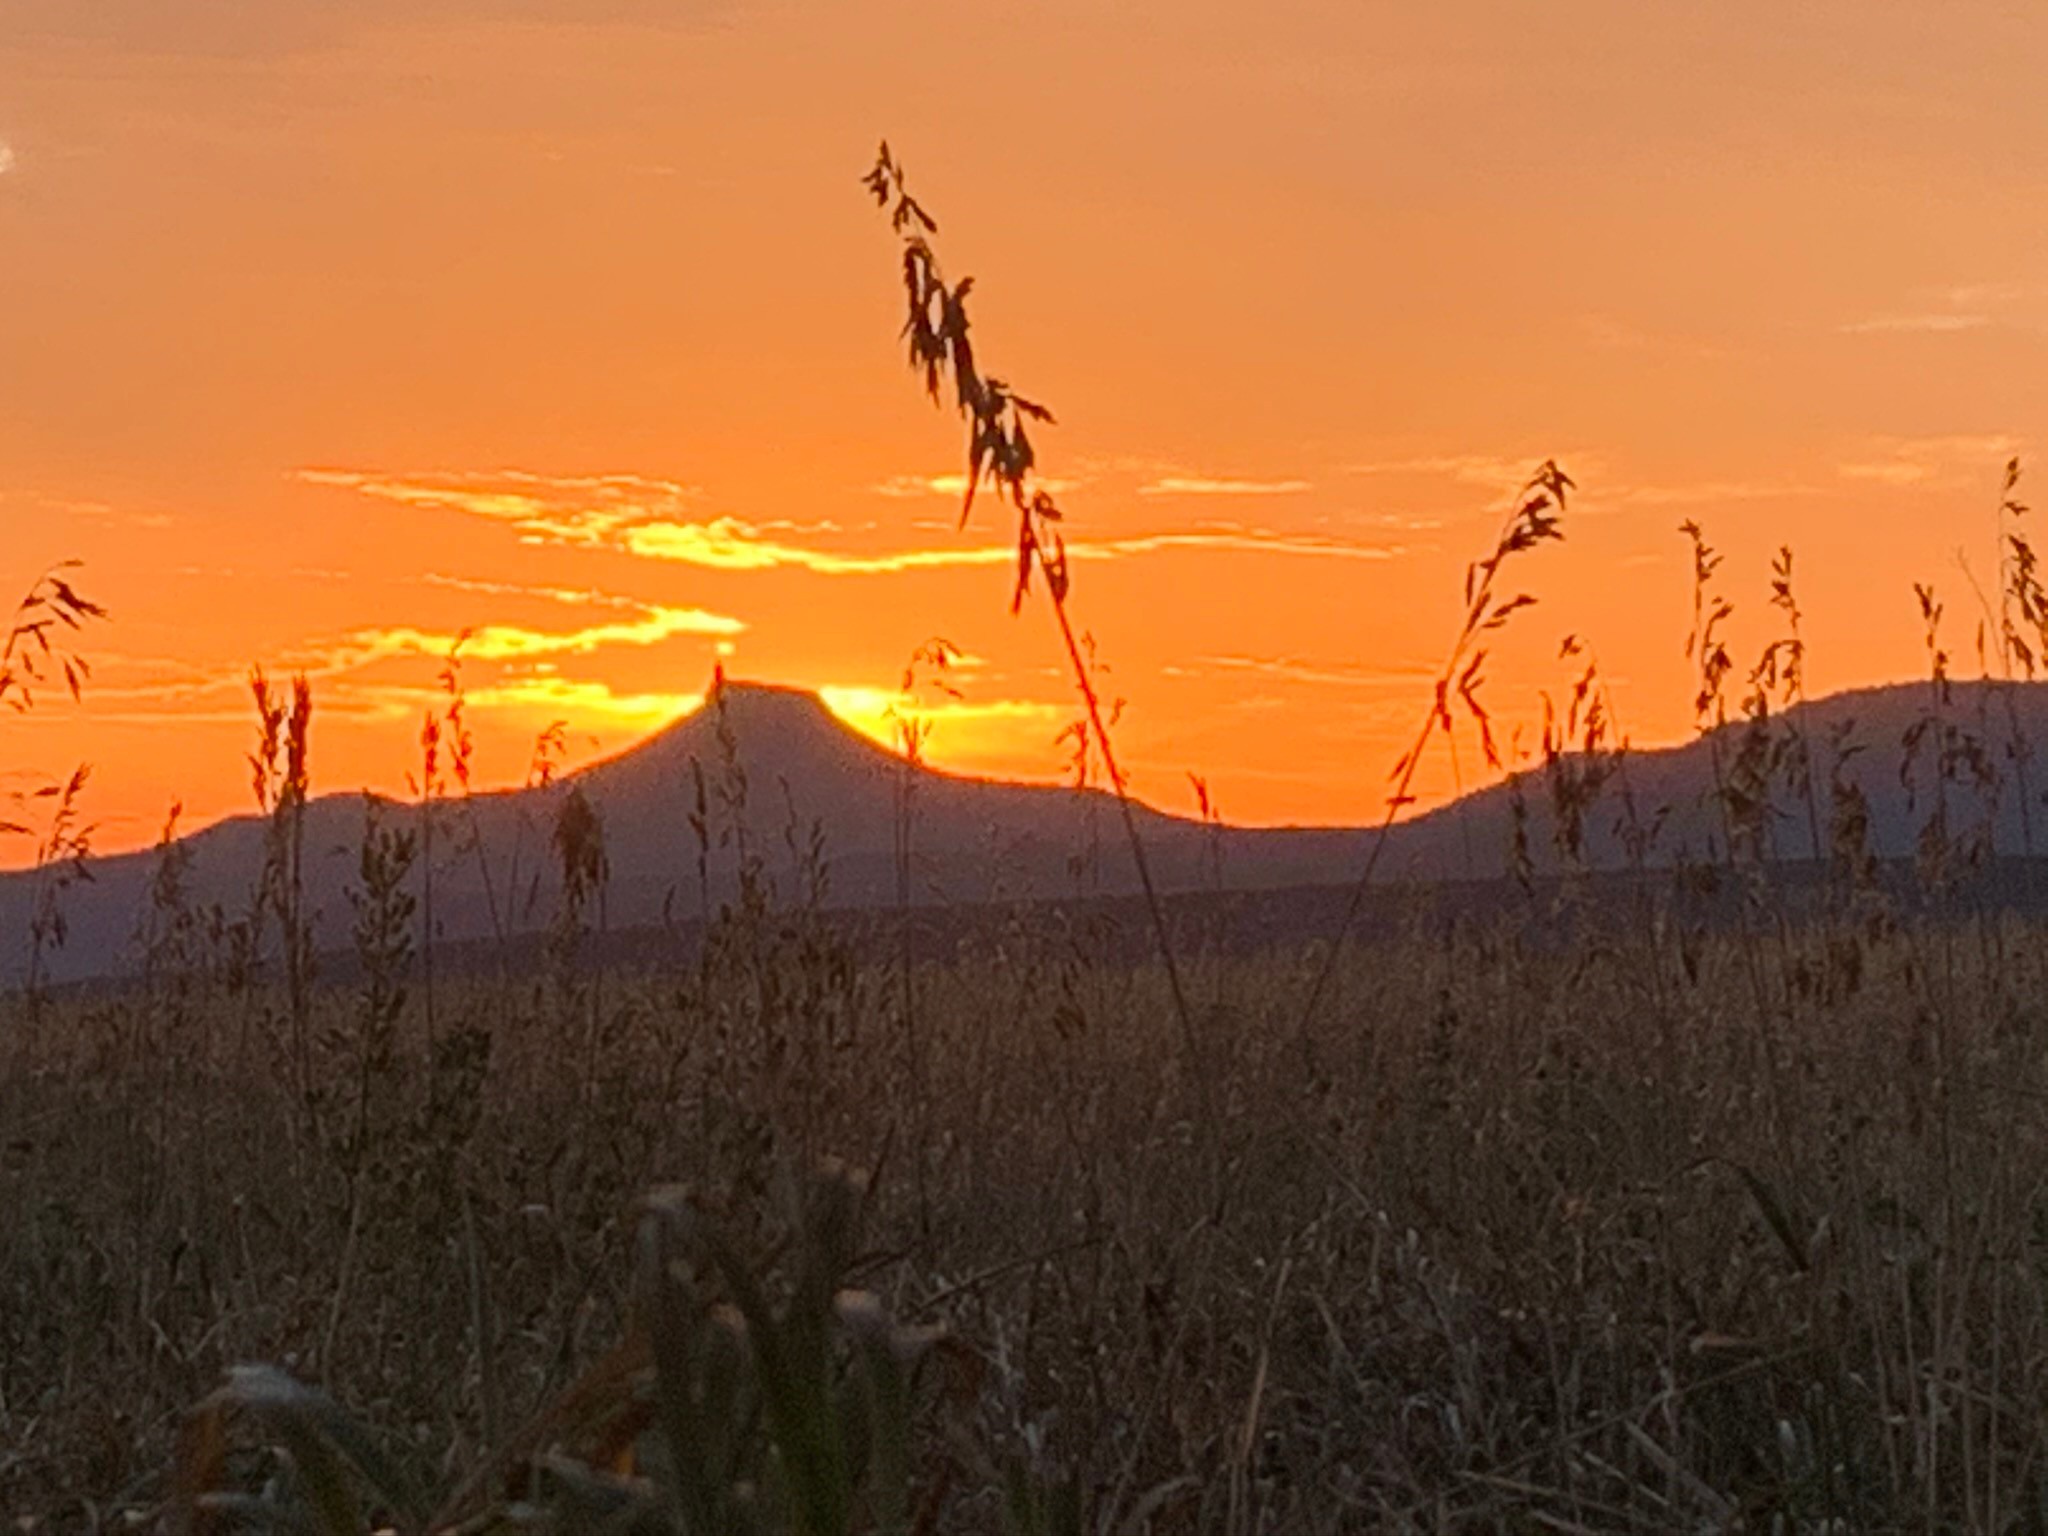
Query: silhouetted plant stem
x=928, y=663
x=429, y=792
x=61, y=862
x=298, y=936
x=34, y=648
x=1785, y=660
x=461, y=750
x=1154, y=907
x=280, y=777
x=1535, y=519
x=1000, y=452
x=1712, y=664
x=2019, y=592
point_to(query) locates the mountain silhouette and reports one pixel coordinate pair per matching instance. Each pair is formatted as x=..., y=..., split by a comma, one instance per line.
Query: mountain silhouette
x=769, y=772
x=771, y=775
x=1888, y=742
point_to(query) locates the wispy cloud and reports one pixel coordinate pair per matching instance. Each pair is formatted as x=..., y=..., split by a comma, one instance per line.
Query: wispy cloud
x=1961, y=307
x=513, y=642
x=1945, y=461
x=575, y=597
x=152, y=690
x=1205, y=485
x=1496, y=472
x=954, y=486
x=1598, y=489
x=1404, y=522
x=8, y=159
x=1264, y=541
x=921, y=485
x=563, y=509
x=588, y=704
x=1984, y=295
x=567, y=516
x=631, y=513
x=1933, y=324
x=520, y=676
x=1336, y=674
x=125, y=681
x=729, y=544
x=1886, y=471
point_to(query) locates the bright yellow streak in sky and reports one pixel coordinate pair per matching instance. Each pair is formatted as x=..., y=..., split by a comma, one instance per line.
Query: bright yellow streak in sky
x=331, y=332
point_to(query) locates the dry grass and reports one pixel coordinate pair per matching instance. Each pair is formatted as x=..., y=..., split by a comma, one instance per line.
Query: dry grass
x=1551, y=1234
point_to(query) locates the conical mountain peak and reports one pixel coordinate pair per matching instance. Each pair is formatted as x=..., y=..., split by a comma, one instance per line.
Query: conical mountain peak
x=779, y=730
x=751, y=699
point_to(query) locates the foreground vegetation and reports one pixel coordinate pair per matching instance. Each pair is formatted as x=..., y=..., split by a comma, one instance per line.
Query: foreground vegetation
x=1518, y=1236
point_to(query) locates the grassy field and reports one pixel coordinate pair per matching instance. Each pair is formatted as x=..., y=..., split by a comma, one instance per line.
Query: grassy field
x=1661, y=1229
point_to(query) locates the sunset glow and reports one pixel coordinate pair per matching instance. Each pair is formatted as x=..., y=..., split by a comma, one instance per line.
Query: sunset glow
x=335, y=333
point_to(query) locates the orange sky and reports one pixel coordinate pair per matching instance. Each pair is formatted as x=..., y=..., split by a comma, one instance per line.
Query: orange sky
x=330, y=331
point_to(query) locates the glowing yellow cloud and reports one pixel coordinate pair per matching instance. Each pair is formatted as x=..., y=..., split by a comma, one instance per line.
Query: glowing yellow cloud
x=727, y=544
x=509, y=642
x=639, y=527
x=583, y=700
x=953, y=486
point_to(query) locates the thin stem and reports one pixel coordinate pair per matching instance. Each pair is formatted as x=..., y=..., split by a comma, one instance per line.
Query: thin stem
x=1153, y=906
x=1529, y=523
